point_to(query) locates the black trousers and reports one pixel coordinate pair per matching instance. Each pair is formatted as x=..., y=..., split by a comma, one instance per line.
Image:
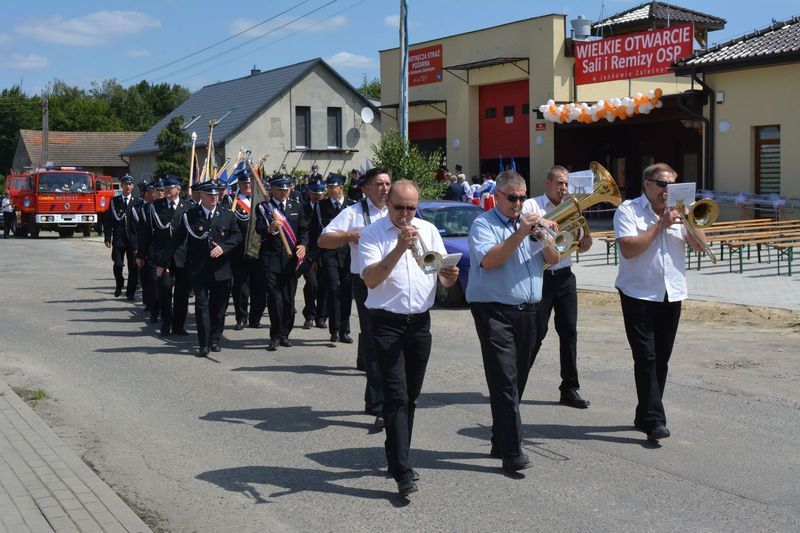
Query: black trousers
x=248, y=289
x=210, y=305
x=315, y=295
x=373, y=394
x=120, y=255
x=507, y=336
x=403, y=347
x=281, y=289
x=560, y=294
x=339, y=285
x=173, y=298
x=8, y=222
x=651, y=328
x=149, y=288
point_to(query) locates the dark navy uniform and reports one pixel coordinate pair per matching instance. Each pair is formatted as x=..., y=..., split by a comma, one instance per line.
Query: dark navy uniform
x=315, y=294
x=117, y=234
x=279, y=266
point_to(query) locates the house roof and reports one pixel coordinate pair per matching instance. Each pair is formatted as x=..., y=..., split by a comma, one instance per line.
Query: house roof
x=79, y=148
x=656, y=14
x=777, y=43
x=235, y=102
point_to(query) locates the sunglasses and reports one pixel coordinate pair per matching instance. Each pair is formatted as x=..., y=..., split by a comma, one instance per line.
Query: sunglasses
x=409, y=208
x=661, y=184
x=513, y=198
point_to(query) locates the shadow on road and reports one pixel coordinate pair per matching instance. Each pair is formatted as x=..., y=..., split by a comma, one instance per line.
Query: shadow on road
x=303, y=369
x=442, y=399
x=361, y=459
x=560, y=431
x=288, y=419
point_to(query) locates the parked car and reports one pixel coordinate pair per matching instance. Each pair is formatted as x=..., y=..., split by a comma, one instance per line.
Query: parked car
x=453, y=219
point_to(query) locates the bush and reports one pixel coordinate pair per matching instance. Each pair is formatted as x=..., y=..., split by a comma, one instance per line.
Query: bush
x=404, y=160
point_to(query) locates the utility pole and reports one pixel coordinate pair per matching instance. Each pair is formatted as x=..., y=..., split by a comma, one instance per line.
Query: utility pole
x=45, y=130
x=403, y=111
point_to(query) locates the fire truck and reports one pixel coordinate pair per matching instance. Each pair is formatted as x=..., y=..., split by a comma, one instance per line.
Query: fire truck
x=62, y=199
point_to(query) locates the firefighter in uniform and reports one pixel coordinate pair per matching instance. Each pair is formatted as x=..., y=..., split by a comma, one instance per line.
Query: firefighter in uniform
x=145, y=258
x=117, y=238
x=212, y=235
x=136, y=214
x=172, y=278
x=335, y=263
x=315, y=310
x=284, y=237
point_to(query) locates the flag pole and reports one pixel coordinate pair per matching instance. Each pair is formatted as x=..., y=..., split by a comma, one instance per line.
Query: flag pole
x=192, y=160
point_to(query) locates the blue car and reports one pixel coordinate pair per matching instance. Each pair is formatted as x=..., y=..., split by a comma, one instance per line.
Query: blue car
x=453, y=219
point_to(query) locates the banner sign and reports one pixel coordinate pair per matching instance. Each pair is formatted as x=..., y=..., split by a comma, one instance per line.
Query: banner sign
x=636, y=55
x=425, y=65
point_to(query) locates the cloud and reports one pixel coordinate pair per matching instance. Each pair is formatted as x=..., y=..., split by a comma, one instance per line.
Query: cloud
x=137, y=52
x=25, y=62
x=5, y=39
x=393, y=21
x=348, y=60
x=93, y=29
x=283, y=25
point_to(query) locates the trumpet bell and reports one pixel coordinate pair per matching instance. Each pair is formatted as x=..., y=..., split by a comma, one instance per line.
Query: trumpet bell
x=430, y=262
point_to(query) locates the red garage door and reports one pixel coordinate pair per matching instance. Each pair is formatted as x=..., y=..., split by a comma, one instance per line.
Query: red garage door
x=429, y=135
x=504, y=125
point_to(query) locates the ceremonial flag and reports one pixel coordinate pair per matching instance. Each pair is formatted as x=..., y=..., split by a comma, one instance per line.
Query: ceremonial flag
x=502, y=166
x=253, y=239
x=513, y=164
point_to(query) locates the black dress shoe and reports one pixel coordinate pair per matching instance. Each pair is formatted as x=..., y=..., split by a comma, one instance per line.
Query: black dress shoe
x=322, y=324
x=215, y=348
x=515, y=464
x=182, y=332
x=573, y=399
x=285, y=343
x=202, y=352
x=345, y=338
x=658, y=433
x=239, y=326
x=414, y=474
x=406, y=487
x=334, y=337
x=254, y=325
x=117, y=292
x=308, y=323
x=272, y=345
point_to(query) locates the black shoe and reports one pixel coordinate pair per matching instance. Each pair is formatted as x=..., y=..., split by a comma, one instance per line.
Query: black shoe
x=202, y=352
x=239, y=326
x=414, y=474
x=117, y=292
x=658, y=433
x=334, y=337
x=130, y=297
x=215, y=348
x=573, y=399
x=379, y=423
x=322, y=323
x=345, y=338
x=254, y=325
x=285, y=343
x=406, y=487
x=272, y=345
x=308, y=323
x=182, y=332
x=515, y=464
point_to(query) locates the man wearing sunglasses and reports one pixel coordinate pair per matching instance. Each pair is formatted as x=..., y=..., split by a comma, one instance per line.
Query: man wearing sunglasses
x=651, y=283
x=505, y=285
x=400, y=295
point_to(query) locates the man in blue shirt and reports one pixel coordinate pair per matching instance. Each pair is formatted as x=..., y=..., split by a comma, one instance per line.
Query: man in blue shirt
x=506, y=269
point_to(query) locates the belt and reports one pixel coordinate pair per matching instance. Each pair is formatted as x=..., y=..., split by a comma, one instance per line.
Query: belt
x=528, y=306
x=558, y=272
x=408, y=319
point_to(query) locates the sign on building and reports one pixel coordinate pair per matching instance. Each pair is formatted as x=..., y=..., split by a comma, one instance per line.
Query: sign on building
x=636, y=55
x=425, y=65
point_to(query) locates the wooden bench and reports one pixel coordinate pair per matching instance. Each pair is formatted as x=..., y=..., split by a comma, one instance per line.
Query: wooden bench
x=786, y=250
x=611, y=243
x=735, y=247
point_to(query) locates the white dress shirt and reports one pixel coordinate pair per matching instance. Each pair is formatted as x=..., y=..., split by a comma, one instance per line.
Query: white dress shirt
x=544, y=206
x=351, y=219
x=661, y=268
x=407, y=290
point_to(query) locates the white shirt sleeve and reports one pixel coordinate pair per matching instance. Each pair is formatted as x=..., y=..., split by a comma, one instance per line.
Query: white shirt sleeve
x=342, y=222
x=625, y=222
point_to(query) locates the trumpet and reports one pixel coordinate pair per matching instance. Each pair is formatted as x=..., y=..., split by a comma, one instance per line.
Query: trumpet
x=429, y=261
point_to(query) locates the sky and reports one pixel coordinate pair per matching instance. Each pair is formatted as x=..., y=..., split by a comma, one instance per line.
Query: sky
x=86, y=41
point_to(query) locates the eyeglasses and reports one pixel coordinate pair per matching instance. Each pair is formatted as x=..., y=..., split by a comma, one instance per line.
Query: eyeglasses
x=513, y=198
x=409, y=208
x=660, y=183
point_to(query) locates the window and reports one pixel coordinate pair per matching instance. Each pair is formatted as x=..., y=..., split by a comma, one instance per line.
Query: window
x=768, y=159
x=490, y=112
x=334, y=127
x=508, y=111
x=302, y=127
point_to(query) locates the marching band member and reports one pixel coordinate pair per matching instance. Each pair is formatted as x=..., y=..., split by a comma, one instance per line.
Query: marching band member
x=505, y=284
x=651, y=283
x=117, y=238
x=212, y=235
x=315, y=297
x=284, y=237
x=400, y=295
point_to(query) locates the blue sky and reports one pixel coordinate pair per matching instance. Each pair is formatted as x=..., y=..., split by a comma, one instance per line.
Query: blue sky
x=84, y=41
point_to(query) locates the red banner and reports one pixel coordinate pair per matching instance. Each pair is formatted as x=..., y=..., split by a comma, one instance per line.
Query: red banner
x=636, y=55
x=425, y=65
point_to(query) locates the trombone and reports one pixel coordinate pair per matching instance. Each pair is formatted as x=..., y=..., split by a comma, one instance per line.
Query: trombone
x=700, y=214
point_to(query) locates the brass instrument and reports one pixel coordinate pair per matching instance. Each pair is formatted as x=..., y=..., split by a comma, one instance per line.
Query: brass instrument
x=700, y=214
x=572, y=225
x=430, y=262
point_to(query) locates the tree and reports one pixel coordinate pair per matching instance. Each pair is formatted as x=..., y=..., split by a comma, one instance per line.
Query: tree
x=17, y=111
x=404, y=160
x=370, y=89
x=173, y=157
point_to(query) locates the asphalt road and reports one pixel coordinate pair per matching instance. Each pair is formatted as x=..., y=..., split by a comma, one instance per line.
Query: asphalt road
x=260, y=441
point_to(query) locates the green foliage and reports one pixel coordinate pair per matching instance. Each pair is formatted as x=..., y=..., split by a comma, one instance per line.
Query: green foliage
x=17, y=111
x=404, y=160
x=370, y=89
x=173, y=157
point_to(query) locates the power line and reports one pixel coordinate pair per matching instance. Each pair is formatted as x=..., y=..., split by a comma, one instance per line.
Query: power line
x=216, y=43
x=220, y=54
x=276, y=40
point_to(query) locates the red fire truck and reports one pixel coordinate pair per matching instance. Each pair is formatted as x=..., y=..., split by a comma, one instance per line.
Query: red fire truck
x=62, y=199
